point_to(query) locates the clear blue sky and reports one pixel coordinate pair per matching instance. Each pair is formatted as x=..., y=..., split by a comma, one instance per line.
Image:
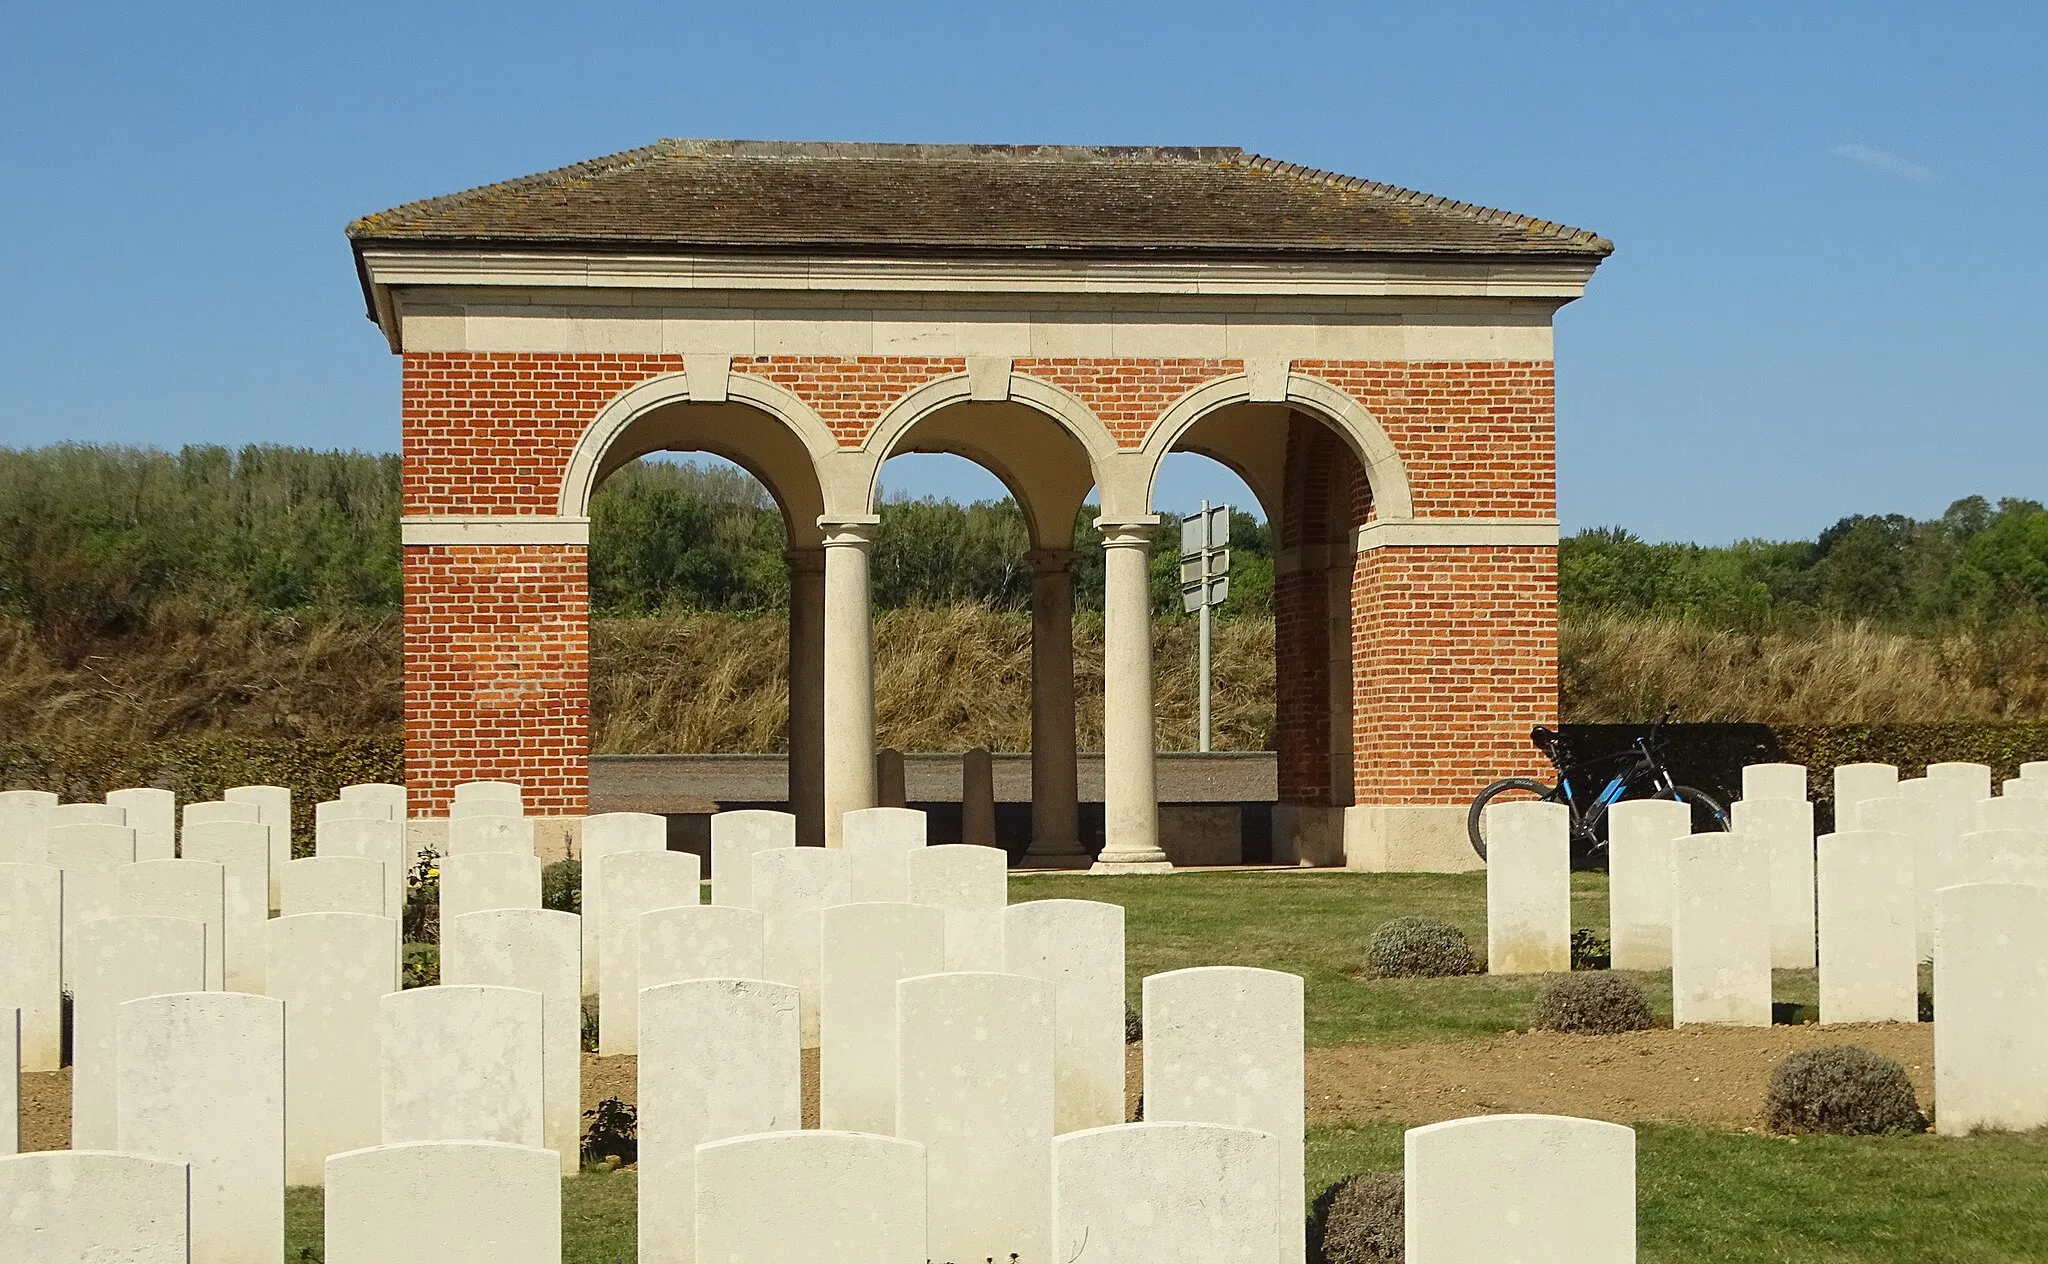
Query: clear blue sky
x=1828, y=295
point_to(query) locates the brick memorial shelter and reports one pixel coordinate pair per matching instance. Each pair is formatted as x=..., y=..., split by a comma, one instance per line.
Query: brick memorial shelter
x=1375, y=363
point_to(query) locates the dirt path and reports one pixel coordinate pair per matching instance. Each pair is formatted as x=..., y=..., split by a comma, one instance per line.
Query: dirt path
x=1713, y=1076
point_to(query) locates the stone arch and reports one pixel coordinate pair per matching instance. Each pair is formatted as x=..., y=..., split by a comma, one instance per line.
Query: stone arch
x=1360, y=430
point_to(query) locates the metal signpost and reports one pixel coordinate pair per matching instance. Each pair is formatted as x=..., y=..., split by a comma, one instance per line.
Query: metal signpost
x=1205, y=579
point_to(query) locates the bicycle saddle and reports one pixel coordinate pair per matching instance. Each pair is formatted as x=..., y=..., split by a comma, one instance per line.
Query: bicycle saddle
x=1543, y=737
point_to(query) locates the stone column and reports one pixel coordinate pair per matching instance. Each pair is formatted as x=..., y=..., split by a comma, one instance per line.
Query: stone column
x=849, y=658
x=1130, y=795
x=1055, y=782
x=807, y=693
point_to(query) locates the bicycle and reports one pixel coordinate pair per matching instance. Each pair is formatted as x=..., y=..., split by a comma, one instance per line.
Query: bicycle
x=1642, y=774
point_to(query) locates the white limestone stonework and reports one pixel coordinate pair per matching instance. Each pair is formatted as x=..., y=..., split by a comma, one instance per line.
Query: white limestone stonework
x=468, y=835
x=879, y=842
x=451, y=1202
x=791, y=885
x=634, y=882
x=370, y=838
x=509, y=794
x=1869, y=962
x=1923, y=818
x=330, y=970
x=975, y=1088
x=972, y=884
x=31, y=958
x=120, y=959
x=701, y=941
x=604, y=834
x=91, y=856
x=461, y=1062
x=475, y=881
x=273, y=808
x=1223, y=1045
x=1854, y=783
x=1640, y=834
x=2017, y=812
x=534, y=949
x=331, y=811
x=67, y=1206
x=153, y=815
x=21, y=832
x=1078, y=947
x=735, y=837
x=718, y=1058
x=1996, y=855
x=1536, y=1189
x=243, y=848
x=1774, y=781
x=193, y=889
x=215, y=811
x=202, y=1082
x=1963, y=781
x=1168, y=1193
x=862, y=1194
x=1784, y=828
x=1991, y=1008
x=1720, y=931
x=10, y=1081
x=866, y=949
x=334, y=884
x=84, y=814
x=1528, y=888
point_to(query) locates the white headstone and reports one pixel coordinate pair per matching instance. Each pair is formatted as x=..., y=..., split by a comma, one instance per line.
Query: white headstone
x=451, y=1202
x=85, y=814
x=120, y=959
x=2016, y=812
x=1991, y=1008
x=1869, y=965
x=972, y=884
x=202, y=1082
x=11, y=800
x=193, y=889
x=21, y=834
x=1168, y=1193
x=330, y=970
x=975, y=1088
x=790, y=886
x=1855, y=783
x=1223, y=1045
x=534, y=949
x=461, y=1062
x=1774, y=781
x=701, y=941
x=370, y=838
x=866, y=949
x=735, y=837
x=31, y=958
x=273, y=808
x=243, y=848
x=475, y=881
x=1536, y=1189
x=1528, y=888
x=391, y=796
x=1640, y=833
x=1078, y=946
x=213, y=811
x=334, y=812
x=490, y=833
x=864, y=1195
x=1917, y=815
x=67, y=1206
x=2032, y=769
x=10, y=1081
x=1968, y=782
x=1720, y=931
x=2024, y=788
x=91, y=857
x=718, y=1058
x=604, y=834
x=334, y=884
x=491, y=791
x=1784, y=828
x=879, y=841
x=634, y=882
x=1997, y=855
x=153, y=815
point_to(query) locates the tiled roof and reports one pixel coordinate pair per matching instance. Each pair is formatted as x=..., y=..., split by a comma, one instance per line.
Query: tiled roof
x=688, y=195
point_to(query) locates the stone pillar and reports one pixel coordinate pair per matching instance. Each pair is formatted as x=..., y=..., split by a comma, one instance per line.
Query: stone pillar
x=1130, y=795
x=1055, y=782
x=849, y=658
x=807, y=693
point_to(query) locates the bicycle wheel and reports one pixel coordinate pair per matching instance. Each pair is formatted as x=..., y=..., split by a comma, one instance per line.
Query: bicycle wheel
x=1510, y=790
x=1708, y=816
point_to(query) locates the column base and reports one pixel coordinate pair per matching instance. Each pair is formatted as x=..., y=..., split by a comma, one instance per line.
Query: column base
x=1045, y=854
x=1132, y=862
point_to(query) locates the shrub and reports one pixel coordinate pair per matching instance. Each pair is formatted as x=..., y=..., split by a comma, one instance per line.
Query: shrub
x=1590, y=951
x=590, y=1027
x=611, y=1130
x=1842, y=1089
x=423, y=899
x=1134, y=1026
x=1594, y=1003
x=1418, y=947
x=422, y=965
x=1359, y=1220
x=561, y=886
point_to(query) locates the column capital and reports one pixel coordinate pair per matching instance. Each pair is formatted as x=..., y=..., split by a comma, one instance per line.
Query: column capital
x=857, y=531
x=1050, y=561
x=1127, y=533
